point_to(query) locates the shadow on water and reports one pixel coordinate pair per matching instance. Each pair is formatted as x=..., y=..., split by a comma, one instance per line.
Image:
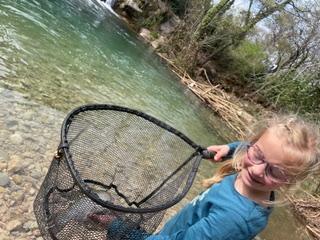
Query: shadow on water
x=61, y=54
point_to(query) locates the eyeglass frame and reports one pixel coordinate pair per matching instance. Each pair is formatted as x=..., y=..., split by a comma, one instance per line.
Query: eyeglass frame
x=268, y=166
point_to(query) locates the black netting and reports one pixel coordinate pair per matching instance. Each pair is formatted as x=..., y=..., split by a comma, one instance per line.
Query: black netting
x=117, y=172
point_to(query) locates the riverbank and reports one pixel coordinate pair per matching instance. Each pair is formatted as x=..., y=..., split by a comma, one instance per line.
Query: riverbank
x=236, y=112
x=238, y=115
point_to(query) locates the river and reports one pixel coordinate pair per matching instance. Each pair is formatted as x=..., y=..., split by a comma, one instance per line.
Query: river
x=56, y=55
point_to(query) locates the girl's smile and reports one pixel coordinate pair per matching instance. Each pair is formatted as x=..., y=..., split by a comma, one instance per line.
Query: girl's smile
x=254, y=180
x=262, y=170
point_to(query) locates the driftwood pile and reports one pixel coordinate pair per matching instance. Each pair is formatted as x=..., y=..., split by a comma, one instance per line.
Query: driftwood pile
x=308, y=210
x=220, y=102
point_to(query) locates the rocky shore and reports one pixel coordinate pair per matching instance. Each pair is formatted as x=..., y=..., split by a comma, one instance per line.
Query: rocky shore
x=29, y=134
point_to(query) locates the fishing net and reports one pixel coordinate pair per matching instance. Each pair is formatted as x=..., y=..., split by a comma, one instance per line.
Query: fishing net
x=115, y=173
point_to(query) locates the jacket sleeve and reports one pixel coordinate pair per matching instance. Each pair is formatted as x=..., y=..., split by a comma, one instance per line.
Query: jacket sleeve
x=212, y=227
x=119, y=229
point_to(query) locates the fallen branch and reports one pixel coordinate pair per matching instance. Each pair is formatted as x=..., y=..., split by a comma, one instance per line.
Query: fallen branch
x=220, y=102
x=308, y=210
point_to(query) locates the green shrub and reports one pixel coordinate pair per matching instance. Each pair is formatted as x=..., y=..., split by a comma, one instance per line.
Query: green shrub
x=247, y=60
x=293, y=91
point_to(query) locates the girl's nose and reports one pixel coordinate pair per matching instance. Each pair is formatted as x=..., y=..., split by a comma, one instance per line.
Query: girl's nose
x=259, y=170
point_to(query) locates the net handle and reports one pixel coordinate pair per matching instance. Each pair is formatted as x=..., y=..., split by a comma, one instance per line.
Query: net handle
x=209, y=155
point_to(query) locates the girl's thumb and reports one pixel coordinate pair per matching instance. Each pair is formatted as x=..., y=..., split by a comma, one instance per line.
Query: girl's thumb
x=218, y=156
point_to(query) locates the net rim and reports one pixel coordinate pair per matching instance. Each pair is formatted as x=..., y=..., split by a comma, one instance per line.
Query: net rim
x=64, y=146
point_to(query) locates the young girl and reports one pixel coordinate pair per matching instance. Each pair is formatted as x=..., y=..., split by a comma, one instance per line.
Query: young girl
x=240, y=196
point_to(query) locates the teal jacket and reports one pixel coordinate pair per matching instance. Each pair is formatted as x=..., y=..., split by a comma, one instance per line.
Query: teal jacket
x=219, y=213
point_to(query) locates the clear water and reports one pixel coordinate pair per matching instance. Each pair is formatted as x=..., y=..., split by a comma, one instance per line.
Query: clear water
x=67, y=53
x=62, y=54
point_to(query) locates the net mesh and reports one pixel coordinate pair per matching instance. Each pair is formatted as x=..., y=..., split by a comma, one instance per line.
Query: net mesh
x=117, y=173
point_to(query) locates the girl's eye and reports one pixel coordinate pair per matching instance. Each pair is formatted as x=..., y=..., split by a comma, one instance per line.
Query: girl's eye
x=277, y=173
x=258, y=158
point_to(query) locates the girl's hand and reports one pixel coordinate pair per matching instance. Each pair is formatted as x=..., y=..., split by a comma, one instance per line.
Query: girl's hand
x=220, y=150
x=102, y=219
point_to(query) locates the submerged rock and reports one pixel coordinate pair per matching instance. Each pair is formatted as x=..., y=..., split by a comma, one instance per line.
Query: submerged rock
x=4, y=180
x=16, y=138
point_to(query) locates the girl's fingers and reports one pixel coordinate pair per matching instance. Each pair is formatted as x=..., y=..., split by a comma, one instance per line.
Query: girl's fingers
x=101, y=219
x=214, y=148
x=221, y=151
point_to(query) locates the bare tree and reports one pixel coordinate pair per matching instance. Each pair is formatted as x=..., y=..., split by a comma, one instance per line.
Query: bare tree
x=294, y=37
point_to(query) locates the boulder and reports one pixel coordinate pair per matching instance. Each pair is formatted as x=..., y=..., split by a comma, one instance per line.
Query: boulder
x=170, y=25
x=158, y=42
x=130, y=8
x=146, y=34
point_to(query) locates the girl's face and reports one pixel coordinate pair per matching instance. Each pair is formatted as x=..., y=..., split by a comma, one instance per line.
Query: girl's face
x=263, y=164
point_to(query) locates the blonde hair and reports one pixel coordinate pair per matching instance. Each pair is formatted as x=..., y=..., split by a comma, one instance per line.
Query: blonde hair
x=300, y=144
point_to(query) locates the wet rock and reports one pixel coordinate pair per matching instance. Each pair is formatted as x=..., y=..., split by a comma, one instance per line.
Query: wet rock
x=4, y=236
x=28, y=115
x=15, y=164
x=17, y=179
x=16, y=139
x=130, y=6
x=18, y=197
x=12, y=124
x=146, y=34
x=2, y=190
x=4, y=180
x=158, y=42
x=32, y=192
x=3, y=166
x=4, y=157
x=30, y=225
x=13, y=225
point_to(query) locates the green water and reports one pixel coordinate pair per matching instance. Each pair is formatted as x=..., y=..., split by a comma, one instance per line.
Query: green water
x=67, y=53
x=63, y=54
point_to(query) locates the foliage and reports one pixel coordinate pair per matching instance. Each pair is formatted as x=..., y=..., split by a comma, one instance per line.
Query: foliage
x=178, y=6
x=152, y=22
x=230, y=40
x=154, y=34
x=247, y=60
x=294, y=91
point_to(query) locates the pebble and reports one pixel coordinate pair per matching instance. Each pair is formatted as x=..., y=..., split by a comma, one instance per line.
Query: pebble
x=3, y=166
x=16, y=139
x=4, y=236
x=2, y=190
x=4, y=157
x=30, y=225
x=32, y=192
x=13, y=225
x=12, y=124
x=17, y=179
x=4, y=179
x=15, y=164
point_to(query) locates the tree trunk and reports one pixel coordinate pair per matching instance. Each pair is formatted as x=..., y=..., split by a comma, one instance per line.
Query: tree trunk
x=237, y=39
x=213, y=12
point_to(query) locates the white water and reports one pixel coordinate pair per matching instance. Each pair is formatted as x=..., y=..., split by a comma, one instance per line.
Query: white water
x=108, y=4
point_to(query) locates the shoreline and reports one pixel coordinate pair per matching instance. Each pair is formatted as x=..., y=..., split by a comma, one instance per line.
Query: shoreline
x=234, y=112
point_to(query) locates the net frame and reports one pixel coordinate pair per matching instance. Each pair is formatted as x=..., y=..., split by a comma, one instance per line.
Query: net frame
x=64, y=149
x=146, y=213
